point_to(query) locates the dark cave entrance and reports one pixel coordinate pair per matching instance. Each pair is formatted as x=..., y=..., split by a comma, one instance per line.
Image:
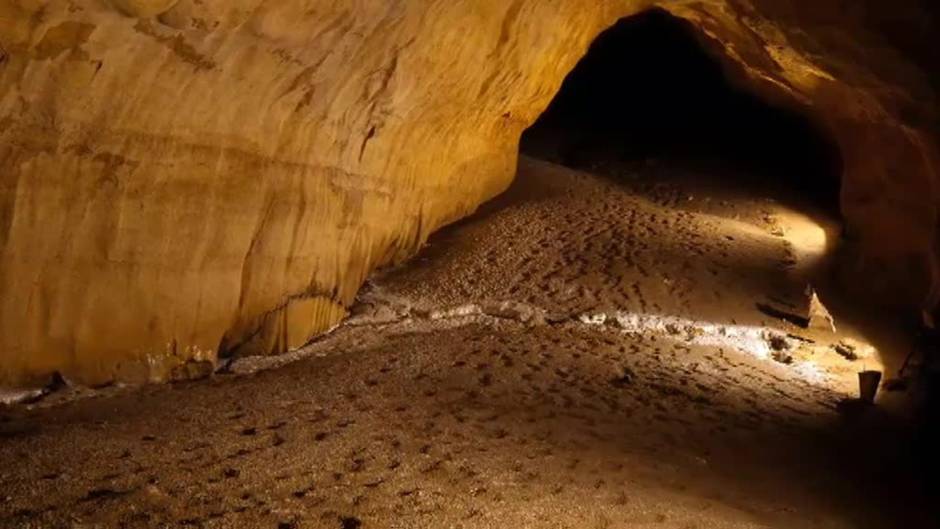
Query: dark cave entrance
x=647, y=89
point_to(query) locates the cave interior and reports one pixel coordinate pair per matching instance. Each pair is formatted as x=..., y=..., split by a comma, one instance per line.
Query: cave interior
x=649, y=89
x=629, y=336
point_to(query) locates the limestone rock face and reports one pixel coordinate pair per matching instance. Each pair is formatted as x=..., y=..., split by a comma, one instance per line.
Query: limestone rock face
x=181, y=179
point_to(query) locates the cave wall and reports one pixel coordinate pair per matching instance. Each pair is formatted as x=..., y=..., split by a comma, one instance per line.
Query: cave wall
x=181, y=179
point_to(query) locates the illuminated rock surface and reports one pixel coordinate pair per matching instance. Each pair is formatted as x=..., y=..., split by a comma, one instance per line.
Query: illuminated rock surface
x=184, y=178
x=648, y=396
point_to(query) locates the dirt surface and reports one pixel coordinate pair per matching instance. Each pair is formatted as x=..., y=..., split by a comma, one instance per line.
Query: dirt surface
x=586, y=352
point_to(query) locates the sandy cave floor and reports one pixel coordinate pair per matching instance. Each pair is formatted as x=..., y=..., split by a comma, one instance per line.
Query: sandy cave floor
x=585, y=352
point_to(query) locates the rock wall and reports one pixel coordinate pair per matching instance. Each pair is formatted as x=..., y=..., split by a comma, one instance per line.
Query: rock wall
x=181, y=179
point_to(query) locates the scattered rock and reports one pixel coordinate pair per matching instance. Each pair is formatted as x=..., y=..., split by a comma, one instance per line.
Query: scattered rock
x=625, y=378
x=800, y=338
x=818, y=316
x=782, y=356
x=692, y=332
x=852, y=350
x=811, y=315
x=780, y=348
x=845, y=351
x=778, y=343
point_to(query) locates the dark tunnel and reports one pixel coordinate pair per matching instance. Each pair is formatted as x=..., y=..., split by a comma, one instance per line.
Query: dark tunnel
x=648, y=89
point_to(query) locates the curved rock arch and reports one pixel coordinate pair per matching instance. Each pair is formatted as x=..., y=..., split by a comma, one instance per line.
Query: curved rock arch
x=658, y=81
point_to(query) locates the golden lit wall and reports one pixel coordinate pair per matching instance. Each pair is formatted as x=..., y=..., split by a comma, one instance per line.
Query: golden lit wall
x=179, y=177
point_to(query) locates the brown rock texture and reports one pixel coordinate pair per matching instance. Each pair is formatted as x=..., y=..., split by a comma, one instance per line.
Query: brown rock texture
x=181, y=179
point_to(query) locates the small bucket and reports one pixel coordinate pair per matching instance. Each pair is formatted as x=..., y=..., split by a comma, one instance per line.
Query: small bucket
x=868, y=382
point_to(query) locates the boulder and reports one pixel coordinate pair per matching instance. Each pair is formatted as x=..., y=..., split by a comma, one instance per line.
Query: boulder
x=818, y=317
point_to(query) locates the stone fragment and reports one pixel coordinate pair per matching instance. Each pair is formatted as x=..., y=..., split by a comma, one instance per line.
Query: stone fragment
x=853, y=350
x=818, y=316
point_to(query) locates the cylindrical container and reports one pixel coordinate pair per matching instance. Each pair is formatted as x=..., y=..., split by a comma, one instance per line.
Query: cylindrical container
x=868, y=382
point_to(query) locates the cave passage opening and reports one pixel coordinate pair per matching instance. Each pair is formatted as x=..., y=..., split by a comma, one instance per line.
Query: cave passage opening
x=648, y=89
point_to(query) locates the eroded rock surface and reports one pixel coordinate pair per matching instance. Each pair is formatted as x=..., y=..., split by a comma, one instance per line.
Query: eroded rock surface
x=184, y=178
x=645, y=397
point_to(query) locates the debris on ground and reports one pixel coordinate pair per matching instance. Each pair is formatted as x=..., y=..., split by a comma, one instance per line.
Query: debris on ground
x=818, y=316
x=845, y=351
x=778, y=343
x=852, y=350
x=782, y=356
x=811, y=315
x=780, y=348
x=625, y=378
x=800, y=338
